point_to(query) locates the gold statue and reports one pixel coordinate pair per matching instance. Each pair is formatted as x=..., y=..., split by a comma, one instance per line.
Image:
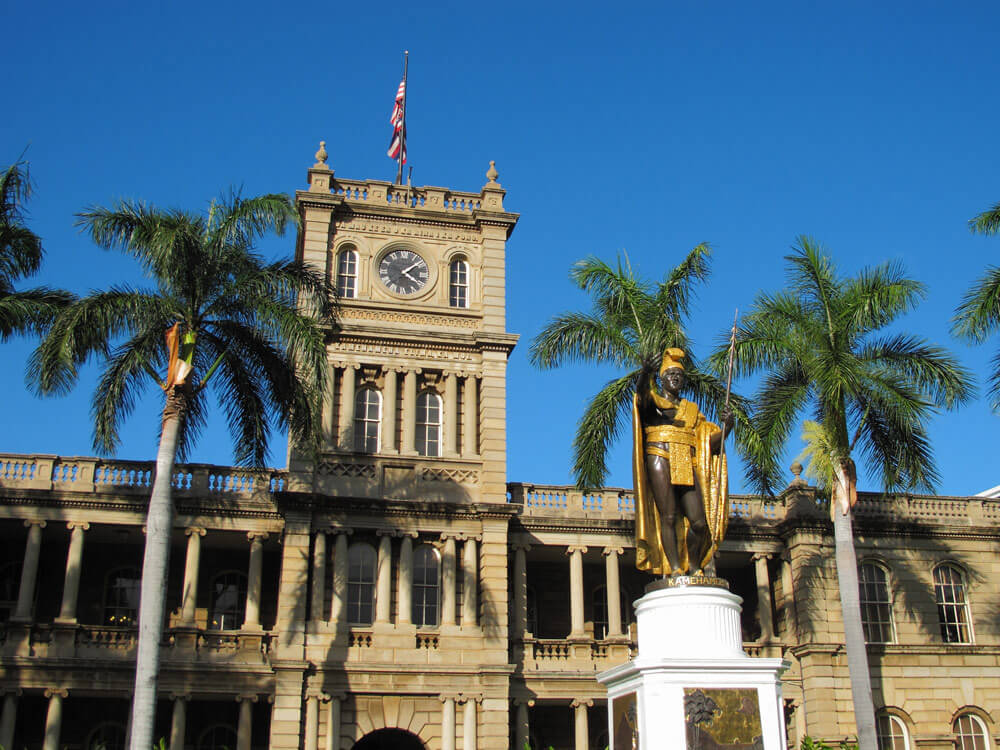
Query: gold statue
x=681, y=491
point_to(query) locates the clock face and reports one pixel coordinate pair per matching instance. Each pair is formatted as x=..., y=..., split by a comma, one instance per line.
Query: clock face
x=403, y=271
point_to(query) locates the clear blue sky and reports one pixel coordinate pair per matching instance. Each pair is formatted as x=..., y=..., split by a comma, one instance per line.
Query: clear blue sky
x=647, y=127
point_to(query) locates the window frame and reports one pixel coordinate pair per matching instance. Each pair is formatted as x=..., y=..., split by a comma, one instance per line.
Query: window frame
x=363, y=585
x=870, y=605
x=894, y=722
x=961, y=608
x=423, y=427
x=200, y=742
x=9, y=606
x=419, y=590
x=108, y=606
x=102, y=725
x=240, y=610
x=362, y=422
x=347, y=278
x=459, y=290
x=977, y=720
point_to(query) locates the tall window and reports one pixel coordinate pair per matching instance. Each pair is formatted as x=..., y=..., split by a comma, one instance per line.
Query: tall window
x=361, y=584
x=600, y=604
x=429, y=424
x=426, y=585
x=367, y=419
x=891, y=733
x=10, y=583
x=458, y=286
x=229, y=601
x=347, y=273
x=952, y=604
x=121, y=597
x=531, y=611
x=970, y=733
x=219, y=737
x=876, y=606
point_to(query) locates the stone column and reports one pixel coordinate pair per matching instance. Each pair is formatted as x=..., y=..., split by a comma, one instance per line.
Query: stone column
x=312, y=723
x=338, y=612
x=53, y=718
x=470, y=724
x=404, y=589
x=254, y=570
x=409, y=413
x=788, y=595
x=189, y=594
x=178, y=721
x=29, y=572
x=74, y=562
x=389, y=412
x=470, y=406
x=244, y=727
x=522, y=727
x=576, y=590
x=447, y=722
x=345, y=426
x=520, y=585
x=329, y=417
x=613, y=590
x=582, y=730
x=333, y=722
x=383, y=580
x=764, y=609
x=448, y=580
x=9, y=718
x=450, y=416
x=470, y=583
x=316, y=611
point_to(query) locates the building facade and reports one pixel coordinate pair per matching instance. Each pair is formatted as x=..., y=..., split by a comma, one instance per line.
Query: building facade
x=395, y=590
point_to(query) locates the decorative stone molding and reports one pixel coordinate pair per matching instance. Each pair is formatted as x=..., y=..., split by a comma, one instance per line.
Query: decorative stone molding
x=53, y=692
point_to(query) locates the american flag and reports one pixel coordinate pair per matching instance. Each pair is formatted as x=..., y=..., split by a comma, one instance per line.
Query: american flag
x=398, y=120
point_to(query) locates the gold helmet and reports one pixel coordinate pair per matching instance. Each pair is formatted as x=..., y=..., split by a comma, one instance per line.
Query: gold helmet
x=672, y=359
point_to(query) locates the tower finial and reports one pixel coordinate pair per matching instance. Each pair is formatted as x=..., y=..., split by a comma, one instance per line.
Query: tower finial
x=321, y=156
x=491, y=173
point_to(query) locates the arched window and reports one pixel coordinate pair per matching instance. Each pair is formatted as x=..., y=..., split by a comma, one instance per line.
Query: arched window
x=531, y=614
x=970, y=733
x=229, y=601
x=952, y=604
x=361, y=584
x=458, y=284
x=600, y=604
x=426, y=585
x=347, y=273
x=10, y=583
x=429, y=424
x=121, y=596
x=367, y=420
x=108, y=735
x=217, y=737
x=876, y=605
x=891, y=733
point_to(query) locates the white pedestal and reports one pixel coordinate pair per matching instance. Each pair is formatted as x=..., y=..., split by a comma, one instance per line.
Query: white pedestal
x=690, y=650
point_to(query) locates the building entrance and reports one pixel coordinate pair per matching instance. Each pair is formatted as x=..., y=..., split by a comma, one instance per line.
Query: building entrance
x=389, y=739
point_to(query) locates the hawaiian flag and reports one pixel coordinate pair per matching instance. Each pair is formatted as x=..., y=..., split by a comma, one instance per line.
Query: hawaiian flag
x=397, y=145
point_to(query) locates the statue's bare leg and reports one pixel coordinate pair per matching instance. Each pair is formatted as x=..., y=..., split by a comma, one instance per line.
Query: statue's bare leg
x=698, y=537
x=658, y=471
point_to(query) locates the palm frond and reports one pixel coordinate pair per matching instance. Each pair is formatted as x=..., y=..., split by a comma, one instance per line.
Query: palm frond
x=933, y=370
x=602, y=423
x=31, y=310
x=978, y=315
x=877, y=296
x=988, y=222
x=676, y=292
x=581, y=338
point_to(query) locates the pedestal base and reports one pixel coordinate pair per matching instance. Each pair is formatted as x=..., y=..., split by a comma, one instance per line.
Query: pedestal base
x=692, y=685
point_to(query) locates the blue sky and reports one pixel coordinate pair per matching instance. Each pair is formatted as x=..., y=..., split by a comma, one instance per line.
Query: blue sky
x=647, y=127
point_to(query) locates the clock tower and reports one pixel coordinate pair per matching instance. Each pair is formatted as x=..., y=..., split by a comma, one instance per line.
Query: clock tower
x=416, y=404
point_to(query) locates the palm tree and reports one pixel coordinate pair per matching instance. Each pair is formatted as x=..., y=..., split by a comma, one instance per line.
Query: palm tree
x=31, y=310
x=632, y=322
x=978, y=315
x=822, y=348
x=253, y=330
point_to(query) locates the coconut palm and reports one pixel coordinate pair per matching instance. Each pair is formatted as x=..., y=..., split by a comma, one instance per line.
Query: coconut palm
x=30, y=310
x=821, y=347
x=252, y=330
x=631, y=324
x=978, y=315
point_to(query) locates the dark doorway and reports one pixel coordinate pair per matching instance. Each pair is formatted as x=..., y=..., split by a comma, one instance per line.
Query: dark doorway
x=389, y=739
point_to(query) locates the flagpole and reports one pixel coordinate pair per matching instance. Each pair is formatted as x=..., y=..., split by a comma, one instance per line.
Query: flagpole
x=402, y=132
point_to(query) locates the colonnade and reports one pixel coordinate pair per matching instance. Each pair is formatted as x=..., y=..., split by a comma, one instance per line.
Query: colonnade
x=581, y=722
x=338, y=424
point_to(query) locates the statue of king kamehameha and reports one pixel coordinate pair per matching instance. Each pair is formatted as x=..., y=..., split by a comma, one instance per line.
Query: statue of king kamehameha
x=681, y=490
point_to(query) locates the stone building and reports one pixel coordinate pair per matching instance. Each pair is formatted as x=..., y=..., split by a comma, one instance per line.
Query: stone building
x=397, y=591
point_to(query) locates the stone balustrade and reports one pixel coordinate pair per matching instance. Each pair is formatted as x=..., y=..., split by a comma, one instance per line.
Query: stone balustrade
x=427, y=198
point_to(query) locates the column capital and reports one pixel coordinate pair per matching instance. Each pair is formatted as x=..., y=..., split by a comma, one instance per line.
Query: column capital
x=251, y=697
x=15, y=691
x=475, y=697
x=453, y=697
x=35, y=522
x=254, y=536
x=521, y=547
x=577, y=702
x=53, y=692
x=345, y=530
x=191, y=530
x=785, y=555
x=327, y=697
x=180, y=696
x=408, y=533
x=529, y=702
x=82, y=525
x=452, y=535
x=386, y=532
x=570, y=549
x=761, y=556
x=613, y=550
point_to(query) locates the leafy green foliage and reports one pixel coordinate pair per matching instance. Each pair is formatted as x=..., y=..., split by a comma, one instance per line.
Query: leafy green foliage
x=631, y=322
x=808, y=743
x=821, y=348
x=252, y=330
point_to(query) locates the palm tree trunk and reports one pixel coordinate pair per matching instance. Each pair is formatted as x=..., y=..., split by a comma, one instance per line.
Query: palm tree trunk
x=854, y=636
x=159, y=524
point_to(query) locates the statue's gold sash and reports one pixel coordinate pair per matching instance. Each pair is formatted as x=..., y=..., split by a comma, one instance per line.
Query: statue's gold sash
x=681, y=441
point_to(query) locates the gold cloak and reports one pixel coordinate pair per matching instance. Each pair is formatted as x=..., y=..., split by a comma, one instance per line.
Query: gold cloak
x=649, y=554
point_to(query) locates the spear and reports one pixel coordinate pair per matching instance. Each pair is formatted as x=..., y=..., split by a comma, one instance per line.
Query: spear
x=729, y=386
